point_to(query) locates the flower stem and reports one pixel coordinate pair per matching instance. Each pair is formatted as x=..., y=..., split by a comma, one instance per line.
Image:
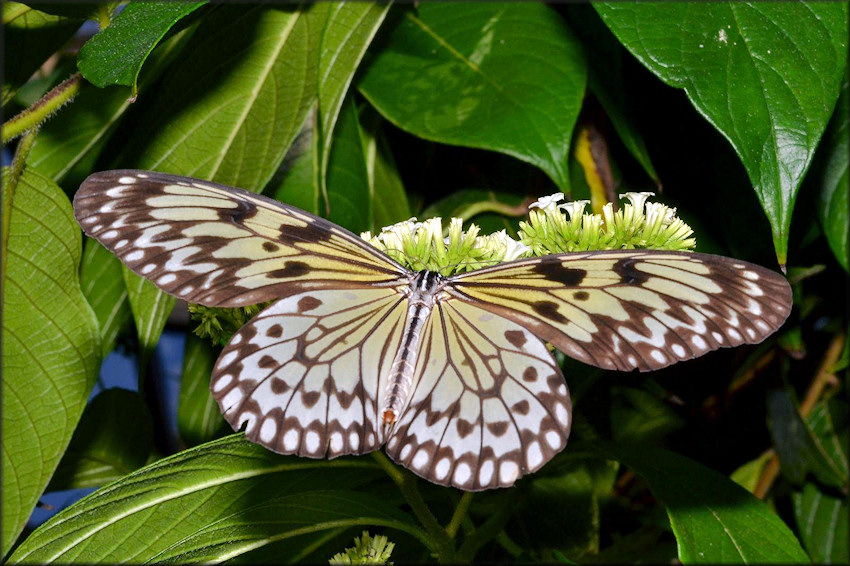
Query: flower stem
x=487, y=531
x=459, y=514
x=41, y=110
x=406, y=482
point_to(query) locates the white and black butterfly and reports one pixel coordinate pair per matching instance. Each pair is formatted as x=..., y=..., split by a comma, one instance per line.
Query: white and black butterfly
x=451, y=373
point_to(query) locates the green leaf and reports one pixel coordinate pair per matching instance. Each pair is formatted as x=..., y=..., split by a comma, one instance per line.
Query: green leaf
x=834, y=180
x=69, y=144
x=115, y=55
x=349, y=192
x=348, y=31
x=199, y=418
x=490, y=210
x=297, y=180
x=151, y=308
x=800, y=450
x=211, y=503
x=640, y=416
x=103, y=285
x=823, y=524
x=714, y=519
x=508, y=77
x=114, y=437
x=51, y=346
x=828, y=423
x=231, y=118
x=605, y=81
x=32, y=36
x=389, y=201
x=766, y=75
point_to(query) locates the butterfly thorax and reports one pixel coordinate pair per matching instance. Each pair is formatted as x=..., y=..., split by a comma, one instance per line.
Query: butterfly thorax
x=423, y=293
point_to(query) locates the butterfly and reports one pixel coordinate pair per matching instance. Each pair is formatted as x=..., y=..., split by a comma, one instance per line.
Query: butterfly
x=451, y=373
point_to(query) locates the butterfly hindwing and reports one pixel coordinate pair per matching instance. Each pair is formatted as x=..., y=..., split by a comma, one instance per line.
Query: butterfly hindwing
x=633, y=309
x=220, y=246
x=489, y=403
x=307, y=374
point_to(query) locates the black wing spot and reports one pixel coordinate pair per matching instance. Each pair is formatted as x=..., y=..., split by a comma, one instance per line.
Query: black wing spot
x=625, y=268
x=238, y=215
x=275, y=331
x=291, y=235
x=270, y=247
x=516, y=337
x=558, y=272
x=308, y=303
x=548, y=309
x=581, y=295
x=291, y=269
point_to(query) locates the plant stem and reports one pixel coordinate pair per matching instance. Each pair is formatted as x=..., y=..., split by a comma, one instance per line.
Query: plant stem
x=824, y=377
x=487, y=531
x=459, y=514
x=406, y=482
x=41, y=110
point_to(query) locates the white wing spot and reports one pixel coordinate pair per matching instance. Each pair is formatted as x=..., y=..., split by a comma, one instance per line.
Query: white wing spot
x=233, y=397
x=508, y=472
x=248, y=420
x=553, y=439
x=717, y=336
x=227, y=359
x=485, y=474
x=420, y=459
x=167, y=278
x=762, y=325
x=186, y=290
x=658, y=356
x=462, y=473
x=562, y=389
x=678, y=350
x=312, y=441
x=127, y=180
x=222, y=382
x=237, y=338
x=121, y=244
x=290, y=440
x=534, y=456
x=751, y=275
x=734, y=334
x=267, y=430
x=336, y=442
x=109, y=235
x=148, y=268
x=698, y=342
x=751, y=333
x=405, y=451
x=90, y=220
x=135, y=255
x=371, y=438
x=560, y=413
x=632, y=360
x=354, y=440
x=442, y=469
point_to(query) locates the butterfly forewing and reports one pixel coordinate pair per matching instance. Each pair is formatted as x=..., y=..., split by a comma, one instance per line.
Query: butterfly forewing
x=633, y=309
x=219, y=246
x=489, y=403
x=307, y=374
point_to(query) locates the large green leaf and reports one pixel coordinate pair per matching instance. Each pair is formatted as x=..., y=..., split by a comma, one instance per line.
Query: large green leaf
x=211, y=503
x=508, y=77
x=51, y=345
x=103, y=285
x=349, y=193
x=199, y=418
x=389, y=201
x=115, y=55
x=32, y=36
x=834, y=179
x=348, y=31
x=114, y=437
x=714, y=519
x=766, y=75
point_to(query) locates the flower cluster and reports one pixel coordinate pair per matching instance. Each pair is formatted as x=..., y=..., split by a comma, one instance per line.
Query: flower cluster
x=555, y=228
x=422, y=246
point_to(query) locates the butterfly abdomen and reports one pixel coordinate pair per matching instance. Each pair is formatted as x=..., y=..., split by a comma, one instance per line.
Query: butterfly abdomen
x=425, y=287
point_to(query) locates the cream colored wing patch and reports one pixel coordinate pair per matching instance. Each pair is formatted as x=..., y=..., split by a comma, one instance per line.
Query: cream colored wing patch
x=633, y=309
x=489, y=403
x=220, y=246
x=305, y=376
